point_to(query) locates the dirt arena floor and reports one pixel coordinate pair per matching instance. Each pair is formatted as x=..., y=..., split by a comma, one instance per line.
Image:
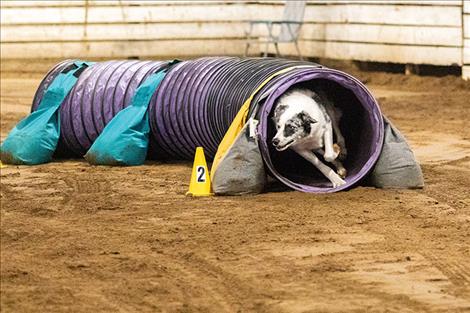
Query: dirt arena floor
x=81, y=238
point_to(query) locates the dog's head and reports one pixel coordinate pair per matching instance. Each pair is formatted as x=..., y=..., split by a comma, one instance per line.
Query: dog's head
x=290, y=127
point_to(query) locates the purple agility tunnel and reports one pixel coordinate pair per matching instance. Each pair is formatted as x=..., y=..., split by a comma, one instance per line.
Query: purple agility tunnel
x=198, y=99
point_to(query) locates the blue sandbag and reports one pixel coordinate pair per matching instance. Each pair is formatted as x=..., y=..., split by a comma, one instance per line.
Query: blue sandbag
x=124, y=140
x=34, y=139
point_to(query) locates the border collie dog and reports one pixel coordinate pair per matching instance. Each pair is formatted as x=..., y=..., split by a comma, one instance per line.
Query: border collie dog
x=306, y=124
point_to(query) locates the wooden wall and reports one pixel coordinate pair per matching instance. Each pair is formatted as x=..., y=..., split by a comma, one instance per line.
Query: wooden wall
x=419, y=32
x=114, y=29
x=408, y=32
x=466, y=39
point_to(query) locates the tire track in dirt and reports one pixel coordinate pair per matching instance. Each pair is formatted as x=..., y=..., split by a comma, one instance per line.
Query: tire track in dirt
x=457, y=272
x=200, y=274
x=333, y=261
x=414, y=277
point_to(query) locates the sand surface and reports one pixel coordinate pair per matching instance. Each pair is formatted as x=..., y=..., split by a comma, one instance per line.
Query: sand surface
x=81, y=238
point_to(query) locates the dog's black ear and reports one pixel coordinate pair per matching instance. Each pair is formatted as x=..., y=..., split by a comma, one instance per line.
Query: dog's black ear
x=307, y=121
x=306, y=118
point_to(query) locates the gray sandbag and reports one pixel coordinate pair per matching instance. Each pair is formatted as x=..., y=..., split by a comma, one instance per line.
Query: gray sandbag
x=241, y=171
x=396, y=166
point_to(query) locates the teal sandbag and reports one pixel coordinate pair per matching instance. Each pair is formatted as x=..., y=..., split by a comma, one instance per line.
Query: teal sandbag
x=124, y=140
x=34, y=139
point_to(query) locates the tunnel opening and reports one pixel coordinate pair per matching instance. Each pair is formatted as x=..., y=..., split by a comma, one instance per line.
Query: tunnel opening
x=361, y=125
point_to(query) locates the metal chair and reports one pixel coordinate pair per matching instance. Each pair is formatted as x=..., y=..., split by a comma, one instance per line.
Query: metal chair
x=289, y=28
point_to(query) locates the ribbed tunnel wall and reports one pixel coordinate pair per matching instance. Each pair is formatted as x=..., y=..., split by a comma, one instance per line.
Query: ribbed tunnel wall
x=198, y=99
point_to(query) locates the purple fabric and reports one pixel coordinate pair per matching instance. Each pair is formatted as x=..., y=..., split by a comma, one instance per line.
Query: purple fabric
x=173, y=116
x=99, y=94
x=200, y=98
x=69, y=111
x=196, y=102
x=188, y=124
x=207, y=80
x=157, y=112
x=177, y=112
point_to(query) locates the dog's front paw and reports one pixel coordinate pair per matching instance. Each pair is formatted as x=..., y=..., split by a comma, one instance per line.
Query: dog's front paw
x=336, y=148
x=337, y=181
x=342, y=172
x=341, y=151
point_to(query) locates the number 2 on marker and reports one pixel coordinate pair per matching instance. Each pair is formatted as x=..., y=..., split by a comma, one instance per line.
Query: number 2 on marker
x=201, y=174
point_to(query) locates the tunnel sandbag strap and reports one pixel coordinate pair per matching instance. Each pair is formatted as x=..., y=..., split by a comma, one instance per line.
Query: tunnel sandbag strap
x=125, y=139
x=396, y=166
x=242, y=170
x=240, y=119
x=34, y=139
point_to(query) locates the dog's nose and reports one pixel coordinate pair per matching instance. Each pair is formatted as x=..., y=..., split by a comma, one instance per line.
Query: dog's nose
x=276, y=141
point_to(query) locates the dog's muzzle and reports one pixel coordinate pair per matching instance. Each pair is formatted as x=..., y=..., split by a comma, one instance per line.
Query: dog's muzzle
x=276, y=143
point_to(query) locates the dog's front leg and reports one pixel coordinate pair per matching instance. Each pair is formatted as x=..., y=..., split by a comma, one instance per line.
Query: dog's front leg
x=335, y=114
x=330, y=153
x=325, y=170
x=341, y=142
x=338, y=164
